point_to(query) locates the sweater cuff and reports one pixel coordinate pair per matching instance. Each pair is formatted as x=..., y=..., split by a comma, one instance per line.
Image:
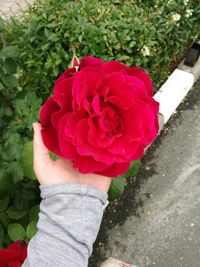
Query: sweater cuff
x=69, y=188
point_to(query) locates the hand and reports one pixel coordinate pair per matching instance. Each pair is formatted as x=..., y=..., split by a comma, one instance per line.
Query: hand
x=50, y=171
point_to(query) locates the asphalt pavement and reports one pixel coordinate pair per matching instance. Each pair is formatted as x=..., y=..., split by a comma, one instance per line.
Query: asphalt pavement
x=163, y=229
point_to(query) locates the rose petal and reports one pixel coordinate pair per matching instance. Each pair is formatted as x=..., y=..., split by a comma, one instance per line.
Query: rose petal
x=84, y=148
x=114, y=66
x=91, y=61
x=96, y=104
x=81, y=133
x=85, y=84
x=47, y=110
x=14, y=264
x=105, y=141
x=123, y=147
x=63, y=94
x=67, y=74
x=139, y=152
x=50, y=139
x=56, y=116
x=65, y=138
x=115, y=170
x=23, y=252
x=8, y=255
x=133, y=126
x=88, y=165
x=142, y=75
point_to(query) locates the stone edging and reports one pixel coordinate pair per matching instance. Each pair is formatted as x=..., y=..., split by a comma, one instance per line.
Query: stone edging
x=174, y=90
x=15, y=8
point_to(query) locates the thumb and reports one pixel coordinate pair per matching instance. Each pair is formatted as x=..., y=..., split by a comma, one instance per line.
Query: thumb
x=40, y=152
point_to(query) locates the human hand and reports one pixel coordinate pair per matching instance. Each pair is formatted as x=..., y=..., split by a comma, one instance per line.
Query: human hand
x=50, y=171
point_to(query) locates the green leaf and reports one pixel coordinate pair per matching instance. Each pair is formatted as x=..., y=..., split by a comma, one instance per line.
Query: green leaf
x=31, y=229
x=10, y=81
x=27, y=160
x=16, y=214
x=16, y=231
x=53, y=156
x=9, y=66
x=9, y=52
x=116, y=189
x=2, y=25
x=1, y=236
x=6, y=182
x=33, y=213
x=133, y=169
x=1, y=86
x=4, y=219
x=4, y=203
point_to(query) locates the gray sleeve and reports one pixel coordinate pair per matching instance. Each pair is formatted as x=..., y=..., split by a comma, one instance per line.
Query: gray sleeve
x=69, y=220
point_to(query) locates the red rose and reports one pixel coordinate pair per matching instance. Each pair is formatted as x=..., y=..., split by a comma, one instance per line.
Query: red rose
x=14, y=255
x=101, y=117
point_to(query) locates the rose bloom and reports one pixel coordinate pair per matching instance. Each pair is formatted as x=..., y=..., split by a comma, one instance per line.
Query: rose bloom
x=14, y=255
x=101, y=116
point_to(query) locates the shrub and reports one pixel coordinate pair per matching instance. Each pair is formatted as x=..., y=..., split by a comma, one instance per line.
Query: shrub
x=34, y=51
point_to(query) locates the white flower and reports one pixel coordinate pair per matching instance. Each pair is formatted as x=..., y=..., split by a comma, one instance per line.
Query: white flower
x=186, y=2
x=188, y=13
x=145, y=51
x=176, y=17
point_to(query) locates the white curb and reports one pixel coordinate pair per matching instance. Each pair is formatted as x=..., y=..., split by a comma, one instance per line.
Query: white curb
x=111, y=262
x=174, y=90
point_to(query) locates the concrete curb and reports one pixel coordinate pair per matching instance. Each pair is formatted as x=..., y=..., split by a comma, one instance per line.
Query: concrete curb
x=111, y=262
x=174, y=90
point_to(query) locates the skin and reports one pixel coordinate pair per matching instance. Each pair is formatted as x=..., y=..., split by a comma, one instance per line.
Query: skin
x=49, y=171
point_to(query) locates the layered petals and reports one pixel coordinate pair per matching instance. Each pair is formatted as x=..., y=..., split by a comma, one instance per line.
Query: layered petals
x=14, y=255
x=101, y=116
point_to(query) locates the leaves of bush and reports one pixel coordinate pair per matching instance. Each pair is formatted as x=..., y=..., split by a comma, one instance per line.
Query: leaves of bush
x=27, y=160
x=4, y=203
x=1, y=236
x=116, y=189
x=133, y=169
x=16, y=231
x=31, y=229
x=33, y=213
x=16, y=214
x=2, y=25
x=11, y=51
x=4, y=220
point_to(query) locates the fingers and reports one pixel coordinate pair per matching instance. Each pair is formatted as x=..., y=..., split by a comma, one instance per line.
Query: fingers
x=40, y=152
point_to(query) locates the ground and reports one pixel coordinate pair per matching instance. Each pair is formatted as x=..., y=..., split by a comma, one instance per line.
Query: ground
x=16, y=8
x=157, y=221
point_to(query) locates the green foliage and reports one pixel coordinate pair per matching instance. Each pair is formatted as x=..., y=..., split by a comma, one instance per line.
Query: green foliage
x=118, y=184
x=16, y=231
x=31, y=229
x=33, y=213
x=2, y=25
x=133, y=169
x=4, y=204
x=37, y=49
x=116, y=188
x=1, y=236
x=27, y=160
